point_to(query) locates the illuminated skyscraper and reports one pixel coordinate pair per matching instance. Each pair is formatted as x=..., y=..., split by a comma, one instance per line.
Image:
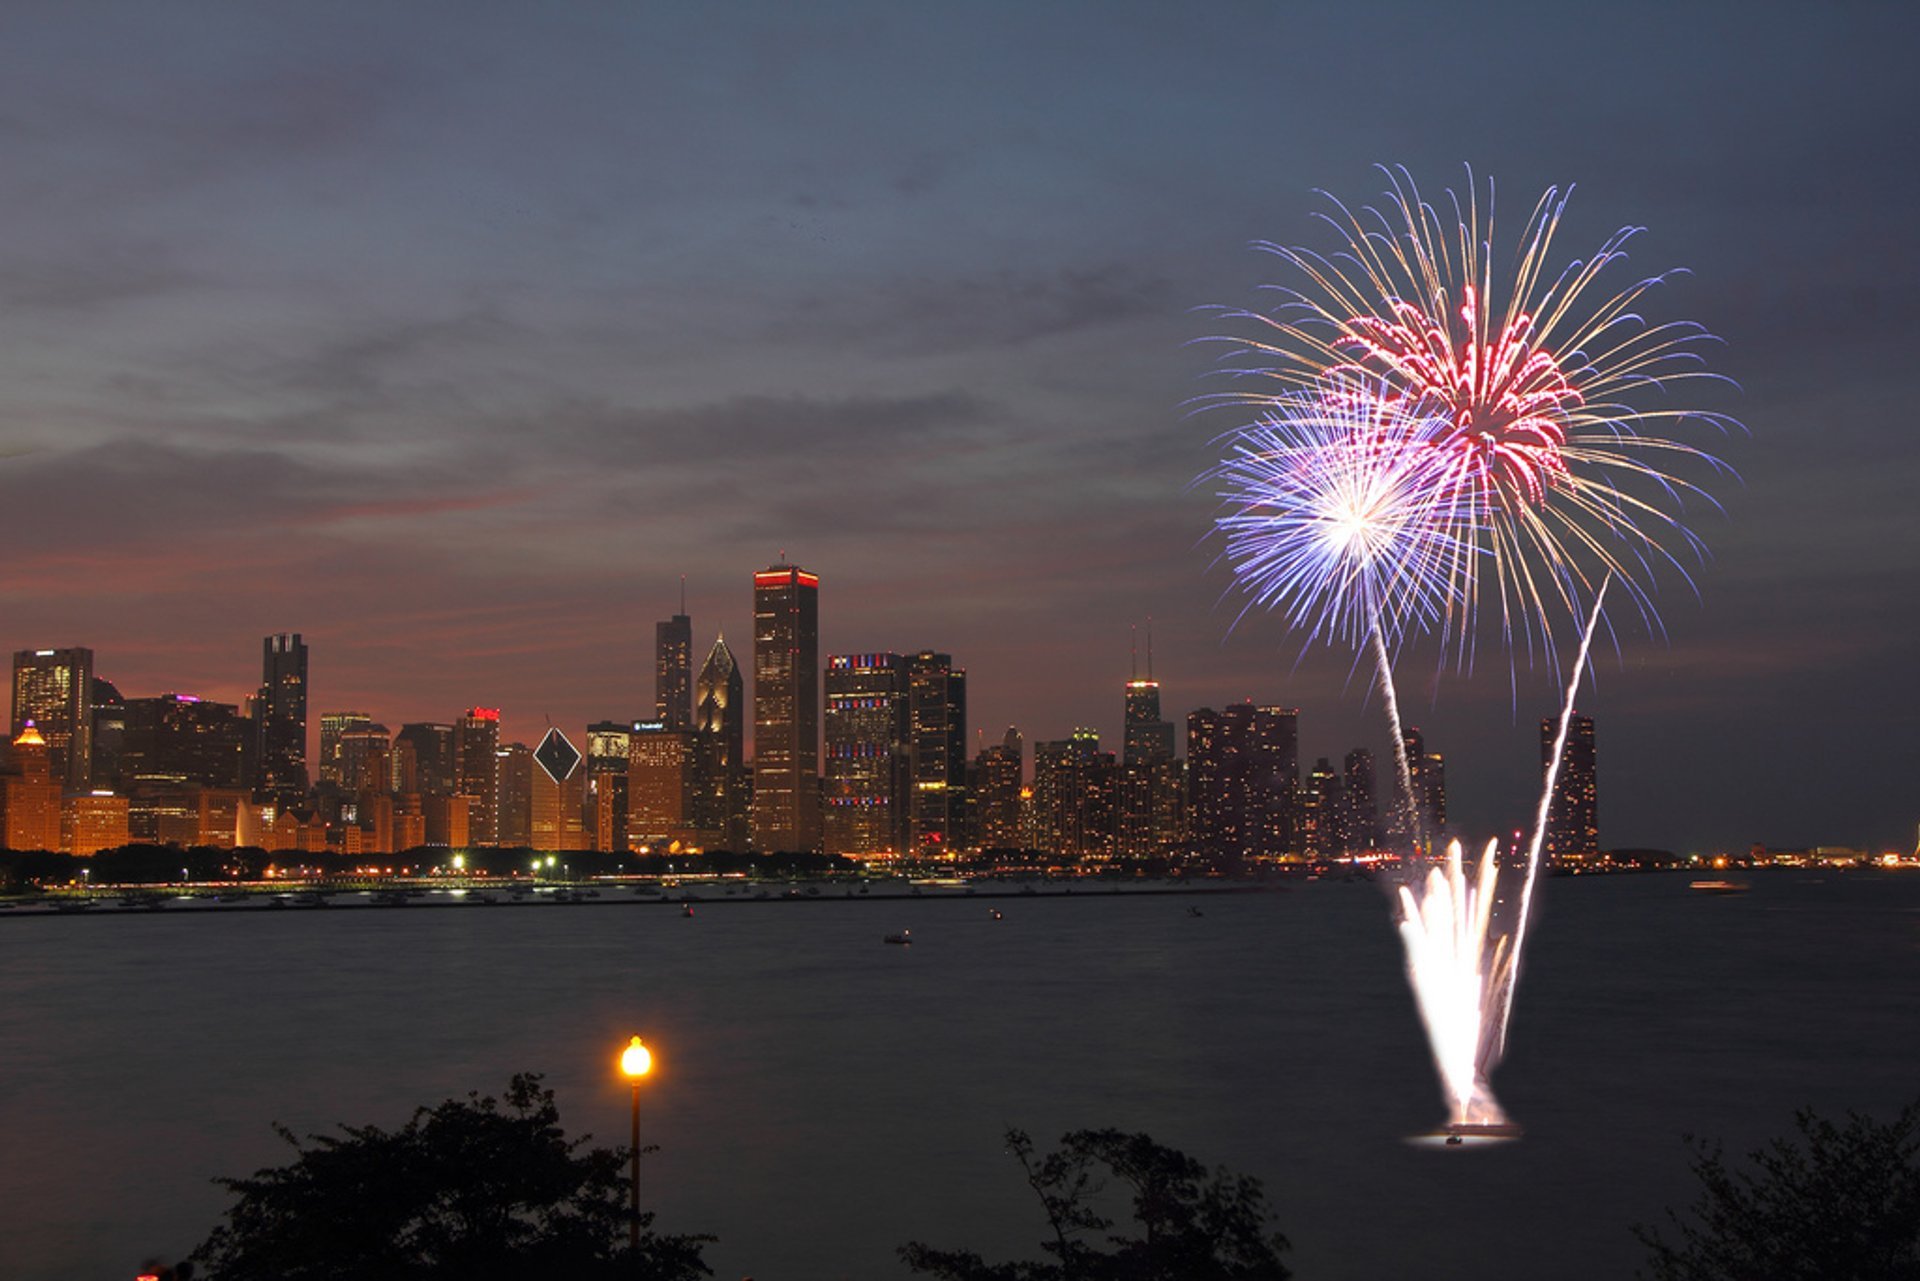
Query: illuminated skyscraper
x=937, y=753
x=720, y=715
x=1573, y=816
x=53, y=688
x=476, y=747
x=1362, y=805
x=786, y=709
x=281, y=710
x=1149, y=779
x=30, y=797
x=1075, y=787
x=867, y=755
x=1243, y=769
x=1428, y=770
x=513, y=824
x=332, y=726
x=673, y=671
x=1000, y=770
x=559, y=790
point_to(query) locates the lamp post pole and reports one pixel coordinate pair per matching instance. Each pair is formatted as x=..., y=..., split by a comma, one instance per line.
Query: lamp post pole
x=633, y=1225
x=635, y=1062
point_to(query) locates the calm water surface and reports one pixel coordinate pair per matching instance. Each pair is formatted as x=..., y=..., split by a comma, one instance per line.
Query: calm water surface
x=821, y=1098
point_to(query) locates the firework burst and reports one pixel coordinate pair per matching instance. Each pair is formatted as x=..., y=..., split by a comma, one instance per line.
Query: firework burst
x=1339, y=511
x=1557, y=475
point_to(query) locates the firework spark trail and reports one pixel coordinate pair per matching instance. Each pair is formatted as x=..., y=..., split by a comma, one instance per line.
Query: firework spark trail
x=1384, y=669
x=1540, y=829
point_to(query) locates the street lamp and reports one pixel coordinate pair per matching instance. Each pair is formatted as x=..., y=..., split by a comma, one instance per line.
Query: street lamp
x=635, y=1062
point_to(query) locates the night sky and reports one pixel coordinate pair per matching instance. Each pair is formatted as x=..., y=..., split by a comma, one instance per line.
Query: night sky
x=451, y=336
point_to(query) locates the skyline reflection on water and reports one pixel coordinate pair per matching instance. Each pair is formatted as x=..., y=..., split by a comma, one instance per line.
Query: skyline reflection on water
x=820, y=1098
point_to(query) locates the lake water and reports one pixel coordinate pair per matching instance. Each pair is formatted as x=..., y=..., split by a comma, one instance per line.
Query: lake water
x=820, y=1098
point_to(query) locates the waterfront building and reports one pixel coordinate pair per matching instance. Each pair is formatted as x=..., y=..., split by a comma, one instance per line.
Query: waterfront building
x=1362, y=822
x=999, y=772
x=30, y=795
x=1573, y=814
x=937, y=754
x=476, y=763
x=1148, y=788
x=1243, y=772
x=53, y=688
x=720, y=715
x=514, y=813
x=867, y=755
x=1074, y=799
x=280, y=710
x=786, y=709
x=93, y=821
x=559, y=792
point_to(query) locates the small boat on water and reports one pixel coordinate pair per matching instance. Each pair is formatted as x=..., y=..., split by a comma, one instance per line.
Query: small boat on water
x=993, y=913
x=1719, y=887
x=686, y=909
x=904, y=937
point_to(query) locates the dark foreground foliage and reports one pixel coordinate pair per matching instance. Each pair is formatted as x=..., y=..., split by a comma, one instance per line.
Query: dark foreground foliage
x=467, y=1189
x=1842, y=1203
x=1191, y=1226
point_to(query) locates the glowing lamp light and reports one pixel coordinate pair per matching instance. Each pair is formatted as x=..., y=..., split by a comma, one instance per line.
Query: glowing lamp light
x=636, y=1060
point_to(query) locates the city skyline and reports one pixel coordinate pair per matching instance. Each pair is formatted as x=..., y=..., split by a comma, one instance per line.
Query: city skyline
x=340, y=322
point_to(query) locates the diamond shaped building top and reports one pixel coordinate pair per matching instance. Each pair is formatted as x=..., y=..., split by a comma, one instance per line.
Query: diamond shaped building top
x=558, y=757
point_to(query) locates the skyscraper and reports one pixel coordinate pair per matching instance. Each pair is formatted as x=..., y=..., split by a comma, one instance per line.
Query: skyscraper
x=866, y=755
x=53, y=688
x=281, y=710
x=1428, y=773
x=1243, y=767
x=1363, y=811
x=513, y=813
x=1147, y=773
x=786, y=709
x=1000, y=771
x=559, y=790
x=332, y=726
x=1573, y=815
x=673, y=672
x=476, y=747
x=427, y=750
x=719, y=714
x=1074, y=787
x=937, y=753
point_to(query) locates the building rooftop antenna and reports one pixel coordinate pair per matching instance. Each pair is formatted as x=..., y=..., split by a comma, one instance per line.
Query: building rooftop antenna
x=1133, y=648
x=1149, y=646
x=683, y=594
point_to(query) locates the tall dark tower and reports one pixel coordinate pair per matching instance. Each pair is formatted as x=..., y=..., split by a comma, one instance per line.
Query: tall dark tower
x=1573, y=815
x=673, y=668
x=53, y=688
x=786, y=709
x=937, y=733
x=282, y=712
x=720, y=713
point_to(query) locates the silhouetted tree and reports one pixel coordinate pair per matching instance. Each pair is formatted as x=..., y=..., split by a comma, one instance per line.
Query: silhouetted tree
x=1840, y=1204
x=1192, y=1226
x=466, y=1189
